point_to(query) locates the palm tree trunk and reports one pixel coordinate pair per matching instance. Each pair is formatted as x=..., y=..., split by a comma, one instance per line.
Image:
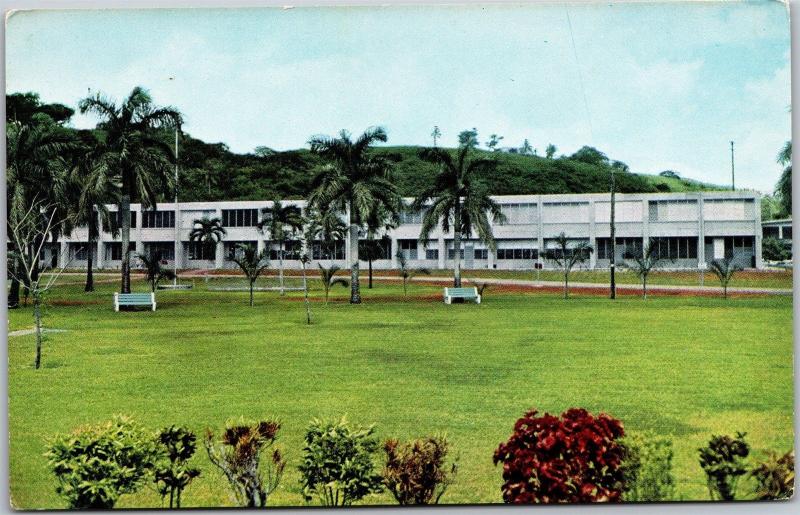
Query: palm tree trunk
x=305, y=293
x=37, y=316
x=251, y=294
x=370, y=274
x=13, y=292
x=355, y=290
x=125, y=213
x=644, y=287
x=457, y=245
x=89, y=277
x=566, y=285
x=280, y=268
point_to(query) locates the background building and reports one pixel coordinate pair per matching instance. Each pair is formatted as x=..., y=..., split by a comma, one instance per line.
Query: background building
x=691, y=230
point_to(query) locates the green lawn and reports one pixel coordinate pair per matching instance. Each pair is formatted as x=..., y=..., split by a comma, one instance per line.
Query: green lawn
x=683, y=366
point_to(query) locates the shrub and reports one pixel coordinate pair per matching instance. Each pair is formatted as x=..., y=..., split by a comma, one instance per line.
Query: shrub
x=172, y=473
x=575, y=458
x=774, y=249
x=415, y=472
x=723, y=461
x=647, y=468
x=774, y=477
x=95, y=465
x=238, y=456
x=338, y=462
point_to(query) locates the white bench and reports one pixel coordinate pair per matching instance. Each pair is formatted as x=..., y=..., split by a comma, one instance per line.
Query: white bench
x=461, y=293
x=134, y=299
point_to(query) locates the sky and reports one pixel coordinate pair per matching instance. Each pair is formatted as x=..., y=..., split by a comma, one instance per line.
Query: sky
x=659, y=86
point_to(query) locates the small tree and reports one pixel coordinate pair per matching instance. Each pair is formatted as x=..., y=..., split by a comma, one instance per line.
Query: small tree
x=207, y=231
x=724, y=268
x=173, y=473
x=575, y=458
x=415, y=472
x=723, y=461
x=565, y=256
x=338, y=463
x=281, y=222
x=252, y=263
x=153, y=270
x=774, y=249
x=29, y=231
x=95, y=465
x=304, y=261
x=327, y=276
x=239, y=456
x=550, y=151
x=647, y=468
x=643, y=261
x=407, y=273
x=774, y=477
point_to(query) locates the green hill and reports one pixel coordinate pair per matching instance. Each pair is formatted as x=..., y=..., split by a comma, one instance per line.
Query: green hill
x=212, y=172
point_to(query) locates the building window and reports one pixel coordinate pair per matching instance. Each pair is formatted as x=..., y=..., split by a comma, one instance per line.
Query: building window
x=158, y=219
x=116, y=220
x=519, y=214
x=233, y=248
x=481, y=254
x=451, y=253
x=114, y=250
x=162, y=249
x=676, y=247
x=432, y=254
x=292, y=250
x=408, y=216
x=382, y=246
x=517, y=254
x=787, y=232
x=565, y=212
x=239, y=217
x=328, y=250
x=198, y=250
x=408, y=248
x=728, y=209
x=771, y=232
x=79, y=251
x=631, y=247
x=672, y=210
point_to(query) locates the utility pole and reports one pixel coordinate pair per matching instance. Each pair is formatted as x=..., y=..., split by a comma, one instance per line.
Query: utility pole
x=733, y=176
x=613, y=292
x=175, y=217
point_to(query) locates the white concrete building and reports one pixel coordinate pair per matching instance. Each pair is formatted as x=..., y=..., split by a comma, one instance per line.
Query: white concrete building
x=691, y=229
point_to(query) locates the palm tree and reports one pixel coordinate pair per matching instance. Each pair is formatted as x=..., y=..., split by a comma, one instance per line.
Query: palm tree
x=92, y=175
x=304, y=261
x=643, y=261
x=281, y=221
x=784, y=187
x=327, y=276
x=252, y=264
x=154, y=272
x=141, y=159
x=566, y=256
x=724, y=269
x=436, y=134
x=355, y=182
x=207, y=231
x=407, y=273
x=326, y=226
x=458, y=199
x=34, y=158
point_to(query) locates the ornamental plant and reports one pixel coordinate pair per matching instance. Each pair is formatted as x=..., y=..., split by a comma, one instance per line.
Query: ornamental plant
x=774, y=477
x=95, y=465
x=415, y=472
x=724, y=462
x=173, y=473
x=239, y=455
x=574, y=458
x=338, y=465
x=647, y=468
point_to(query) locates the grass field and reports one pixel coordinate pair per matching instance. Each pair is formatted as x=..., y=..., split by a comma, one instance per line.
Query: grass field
x=683, y=366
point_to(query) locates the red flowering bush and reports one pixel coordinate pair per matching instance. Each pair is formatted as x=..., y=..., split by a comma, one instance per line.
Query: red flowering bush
x=574, y=459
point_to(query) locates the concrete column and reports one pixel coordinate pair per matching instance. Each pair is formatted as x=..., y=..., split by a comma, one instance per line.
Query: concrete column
x=592, y=236
x=540, y=210
x=63, y=256
x=99, y=261
x=442, y=253
x=645, y=222
x=701, y=234
x=179, y=261
x=394, y=248
x=219, y=255
x=490, y=258
x=759, y=232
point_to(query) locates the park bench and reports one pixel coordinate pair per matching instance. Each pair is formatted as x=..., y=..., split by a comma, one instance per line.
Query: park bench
x=461, y=293
x=134, y=299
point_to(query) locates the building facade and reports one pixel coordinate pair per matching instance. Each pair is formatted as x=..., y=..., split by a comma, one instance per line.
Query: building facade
x=691, y=229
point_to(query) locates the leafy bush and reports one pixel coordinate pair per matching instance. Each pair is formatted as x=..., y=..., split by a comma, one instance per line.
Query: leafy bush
x=774, y=249
x=95, y=465
x=575, y=458
x=415, y=471
x=774, y=477
x=723, y=461
x=238, y=455
x=338, y=462
x=647, y=468
x=172, y=473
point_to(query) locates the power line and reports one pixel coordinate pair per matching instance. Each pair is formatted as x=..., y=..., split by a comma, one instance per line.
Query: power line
x=580, y=75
